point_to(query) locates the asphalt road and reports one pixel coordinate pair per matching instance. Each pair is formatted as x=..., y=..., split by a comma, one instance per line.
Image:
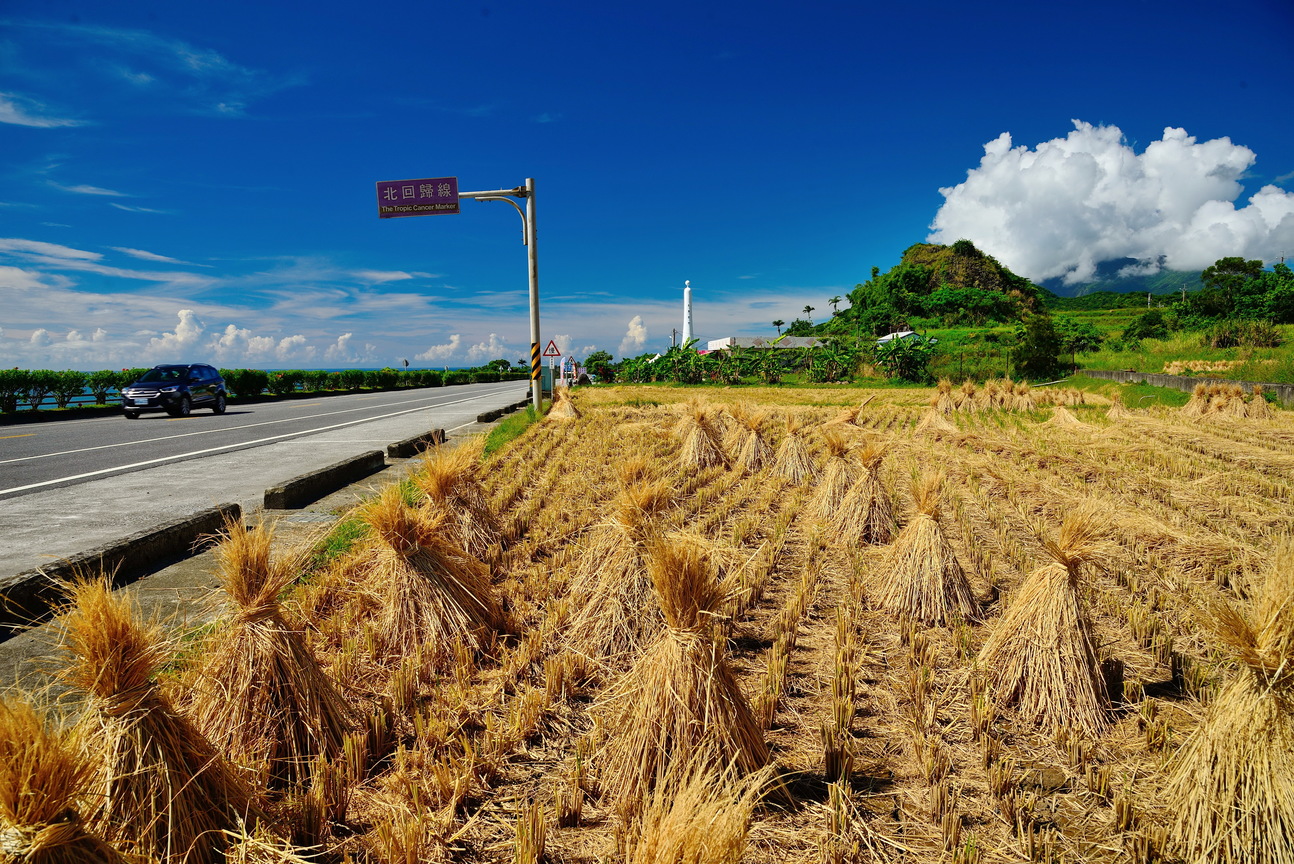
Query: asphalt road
x=68, y=486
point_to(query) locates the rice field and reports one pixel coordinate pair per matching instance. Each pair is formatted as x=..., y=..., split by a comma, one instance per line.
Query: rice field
x=975, y=624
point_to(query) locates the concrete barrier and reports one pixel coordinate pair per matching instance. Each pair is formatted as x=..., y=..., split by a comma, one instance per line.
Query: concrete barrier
x=410, y=447
x=313, y=485
x=1283, y=392
x=488, y=416
x=29, y=596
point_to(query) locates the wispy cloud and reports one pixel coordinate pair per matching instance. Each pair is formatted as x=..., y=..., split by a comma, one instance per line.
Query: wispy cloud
x=20, y=111
x=548, y=117
x=130, y=209
x=86, y=189
x=143, y=255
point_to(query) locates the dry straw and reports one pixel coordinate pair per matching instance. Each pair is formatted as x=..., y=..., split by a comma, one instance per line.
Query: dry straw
x=921, y=577
x=162, y=790
x=616, y=609
x=840, y=471
x=793, y=460
x=1118, y=411
x=433, y=595
x=1233, y=781
x=261, y=695
x=563, y=405
x=695, y=817
x=446, y=476
x=680, y=703
x=942, y=401
x=752, y=450
x=1041, y=658
x=866, y=513
x=44, y=775
x=1063, y=418
x=702, y=439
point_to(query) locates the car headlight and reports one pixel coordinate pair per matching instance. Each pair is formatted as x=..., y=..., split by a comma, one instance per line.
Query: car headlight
x=169, y=389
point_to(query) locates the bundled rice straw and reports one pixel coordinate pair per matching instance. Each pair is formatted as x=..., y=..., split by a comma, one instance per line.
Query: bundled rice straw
x=966, y=400
x=1258, y=407
x=850, y=416
x=839, y=472
x=563, y=405
x=261, y=695
x=921, y=577
x=793, y=460
x=752, y=451
x=1064, y=418
x=161, y=788
x=702, y=447
x=616, y=609
x=933, y=422
x=433, y=594
x=866, y=513
x=43, y=779
x=680, y=704
x=1118, y=411
x=1040, y=658
x=447, y=477
x=695, y=817
x=942, y=401
x=1232, y=783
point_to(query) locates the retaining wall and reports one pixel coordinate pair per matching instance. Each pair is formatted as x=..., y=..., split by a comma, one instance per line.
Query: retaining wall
x=1284, y=393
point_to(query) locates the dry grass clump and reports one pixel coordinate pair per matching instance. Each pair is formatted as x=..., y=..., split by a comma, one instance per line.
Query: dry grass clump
x=794, y=461
x=432, y=594
x=921, y=578
x=1063, y=418
x=680, y=703
x=612, y=590
x=261, y=695
x=161, y=790
x=965, y=399
x=1117, y=410
x=702, y=438
x=1216, y=400
x=840, y=471
x=752, y=451
x=933, y=423
x=942, y=401
x=866, y=513
x=695, y=816
x=447, y=477
x=44, y=775
x=1232, y=784
x=1041, y=658
x=563, y=405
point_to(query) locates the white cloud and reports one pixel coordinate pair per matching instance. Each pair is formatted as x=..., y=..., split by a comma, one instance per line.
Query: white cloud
x=45, y=250
x=339, y=351
x=1068, y=204
x=129, y=209
x=41, y=338
x=182, y=341
x=490, y=349
x=86, y=189
x=142, y=255
x=294, y=348
x=20, y=111
x=237, y=346
x=635, y=338
x=441, y=353
x=563, y=343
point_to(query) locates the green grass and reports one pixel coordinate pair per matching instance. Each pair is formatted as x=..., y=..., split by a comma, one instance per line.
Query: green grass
x=508, y=430
x=1134, y=395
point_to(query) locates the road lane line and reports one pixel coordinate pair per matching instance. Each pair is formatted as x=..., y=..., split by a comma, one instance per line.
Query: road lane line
x=243, y=444
x=219, y=429
x=27, y=435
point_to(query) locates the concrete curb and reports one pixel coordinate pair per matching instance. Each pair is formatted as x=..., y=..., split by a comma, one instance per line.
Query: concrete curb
x=29, y=596
x=411, y=447
x=1186, y=383
x=312, y=486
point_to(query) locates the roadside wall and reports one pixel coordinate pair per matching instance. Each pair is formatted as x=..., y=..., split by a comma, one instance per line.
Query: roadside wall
x=1283, y=392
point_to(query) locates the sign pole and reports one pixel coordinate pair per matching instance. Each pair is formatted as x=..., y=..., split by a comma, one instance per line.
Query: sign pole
x=536, y=387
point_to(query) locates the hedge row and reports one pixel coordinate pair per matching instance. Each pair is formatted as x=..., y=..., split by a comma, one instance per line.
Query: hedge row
x=34, y=386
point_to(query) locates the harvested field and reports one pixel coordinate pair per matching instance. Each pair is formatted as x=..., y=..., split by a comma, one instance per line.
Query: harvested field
x=882, y=738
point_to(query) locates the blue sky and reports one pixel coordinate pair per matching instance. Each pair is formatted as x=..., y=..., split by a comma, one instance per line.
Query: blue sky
x=196, y=181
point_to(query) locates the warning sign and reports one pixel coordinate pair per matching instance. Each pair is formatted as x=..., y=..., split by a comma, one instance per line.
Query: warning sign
x=551, y=350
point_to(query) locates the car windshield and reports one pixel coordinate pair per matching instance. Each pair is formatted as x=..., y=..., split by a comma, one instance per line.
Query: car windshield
x=164, y=375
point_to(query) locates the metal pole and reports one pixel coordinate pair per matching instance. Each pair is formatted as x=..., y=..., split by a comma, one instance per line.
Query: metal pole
x=536, y=394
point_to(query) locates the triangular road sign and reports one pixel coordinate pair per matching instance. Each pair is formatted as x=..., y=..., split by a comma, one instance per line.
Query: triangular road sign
x=551, y=350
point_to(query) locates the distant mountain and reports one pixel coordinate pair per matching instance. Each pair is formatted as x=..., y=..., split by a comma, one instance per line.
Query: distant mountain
x=1108, y=279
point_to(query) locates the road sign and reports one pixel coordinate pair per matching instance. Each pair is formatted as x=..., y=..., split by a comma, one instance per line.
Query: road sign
x=551, y=350
x=423, y=197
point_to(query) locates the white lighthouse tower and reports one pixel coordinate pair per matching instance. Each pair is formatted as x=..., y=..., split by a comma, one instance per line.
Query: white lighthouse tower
x=687, y=311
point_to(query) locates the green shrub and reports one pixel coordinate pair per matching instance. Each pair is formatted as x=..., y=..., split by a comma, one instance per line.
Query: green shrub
x=245, y=382
x=285, y=382
x=432, y=378
x=40, y=383
x=13, y=383
x=67, y=385
x=100, y=383
x=484, y=376
x=316, y=380
x=457, y=377
x=1238, y=332
x=352, y=379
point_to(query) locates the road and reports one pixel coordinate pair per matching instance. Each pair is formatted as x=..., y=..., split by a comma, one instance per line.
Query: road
x=68, y=486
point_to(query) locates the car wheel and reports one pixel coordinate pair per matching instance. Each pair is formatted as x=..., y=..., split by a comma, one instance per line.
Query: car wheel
x=181, y=408
x=132, y=415
x=219, y=407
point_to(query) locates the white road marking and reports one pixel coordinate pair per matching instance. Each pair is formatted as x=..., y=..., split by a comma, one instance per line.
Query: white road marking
x=241, y=444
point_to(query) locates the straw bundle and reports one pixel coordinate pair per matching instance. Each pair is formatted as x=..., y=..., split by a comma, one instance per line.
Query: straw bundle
x=695, y=817
x=849, y=417
x=1024, y=397
x=793, y=460
x=43, y=780
x=1040, y=658
x=933, y=422
x=1258, y=407
x=752, y=450
x=921, y=577
x=1118, y=411
x=261, y=695
x=1063, y=418
x=162, y=789
x=1198, y=403
x=866, y=513
x=1232, y=783
x=992, y=395
x=965, y=399
x=680, y=703
x=702, y=447
x=616, y=609
x=433, y=595
x=563, y=405
x=839, y=472
x=447, y=478
x=942, y=401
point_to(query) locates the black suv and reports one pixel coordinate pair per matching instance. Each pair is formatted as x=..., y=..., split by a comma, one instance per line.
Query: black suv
x=176, y=390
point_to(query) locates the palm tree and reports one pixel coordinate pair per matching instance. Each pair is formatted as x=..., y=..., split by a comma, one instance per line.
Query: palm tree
x=833, y=301
x=778, y=324
x=808, y=313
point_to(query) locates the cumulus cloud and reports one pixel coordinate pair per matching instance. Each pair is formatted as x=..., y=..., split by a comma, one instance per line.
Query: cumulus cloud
x=294, y=348
x=239, y=345
x=443, y=352
x=1066, y=205
x=182, y=341
x=635, y=338
x=563, y=343
x=491, y=349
